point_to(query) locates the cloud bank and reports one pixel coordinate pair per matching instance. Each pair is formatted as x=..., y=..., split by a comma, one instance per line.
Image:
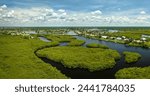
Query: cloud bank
x=47, y=16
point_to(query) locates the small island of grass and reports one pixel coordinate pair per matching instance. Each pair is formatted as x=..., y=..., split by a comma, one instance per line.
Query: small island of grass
x=133, y=73
x=95, y=45
x=131, y=57
x=76, y=42
x=92, y=59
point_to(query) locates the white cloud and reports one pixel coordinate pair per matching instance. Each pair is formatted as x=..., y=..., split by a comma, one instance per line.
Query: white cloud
x=61, y=10
x=71, y=19
x=141, y=18
x=50, y=16
x=6, y=13
x=4, y=6
x=142, y=12
x=10, y=14
x=97, y=12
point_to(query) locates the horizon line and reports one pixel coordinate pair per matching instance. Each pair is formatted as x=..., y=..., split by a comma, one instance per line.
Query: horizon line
x=77, y=26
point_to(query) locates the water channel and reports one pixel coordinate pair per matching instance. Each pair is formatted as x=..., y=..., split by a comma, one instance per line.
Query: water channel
x=79, y=73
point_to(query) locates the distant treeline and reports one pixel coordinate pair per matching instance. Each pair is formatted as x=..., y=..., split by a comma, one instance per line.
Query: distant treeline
x=75, y=28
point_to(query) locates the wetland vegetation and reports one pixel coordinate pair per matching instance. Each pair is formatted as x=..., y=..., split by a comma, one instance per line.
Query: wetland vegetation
x=21, y=49
x=95, y=45
x=76, y=43
x=133, y=73
x=131, y=57
x=17, y=59
x=81, y=57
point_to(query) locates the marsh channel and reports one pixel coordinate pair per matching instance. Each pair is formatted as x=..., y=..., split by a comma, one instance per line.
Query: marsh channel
x=79, y=73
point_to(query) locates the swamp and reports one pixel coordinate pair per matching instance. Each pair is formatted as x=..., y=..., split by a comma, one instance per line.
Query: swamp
x=74, y=52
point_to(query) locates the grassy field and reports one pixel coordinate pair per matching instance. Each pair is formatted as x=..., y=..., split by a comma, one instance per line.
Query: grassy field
x=81, y=57
x=133, y=73
x=131, y=57
x=17, y=59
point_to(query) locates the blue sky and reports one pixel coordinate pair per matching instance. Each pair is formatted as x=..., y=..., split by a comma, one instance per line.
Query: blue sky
x=74, y=13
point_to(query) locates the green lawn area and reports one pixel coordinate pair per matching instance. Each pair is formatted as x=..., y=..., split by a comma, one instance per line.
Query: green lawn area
x=133, y=73
x=17, y=59
x=131, y=57
x=80, y=57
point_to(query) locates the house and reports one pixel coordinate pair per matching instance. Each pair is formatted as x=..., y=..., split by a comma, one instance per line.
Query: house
x=144, y=39
x=105, y=37
x=118, y=38
x=126, y=39
x=123, y=37
x=112, y=38
x=92, y=35
x=12, y=34
x=25, y=34
x=137, y=41
x=18, y=33
x=78, y=32
x=145, y=36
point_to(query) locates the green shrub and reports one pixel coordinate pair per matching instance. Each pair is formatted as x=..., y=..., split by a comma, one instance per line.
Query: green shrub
x=95, y=45
x=133, y=73
x=131, y=57
x=76, y=43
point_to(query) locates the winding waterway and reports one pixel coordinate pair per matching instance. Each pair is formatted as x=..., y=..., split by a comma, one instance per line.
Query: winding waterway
x=79, y=73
